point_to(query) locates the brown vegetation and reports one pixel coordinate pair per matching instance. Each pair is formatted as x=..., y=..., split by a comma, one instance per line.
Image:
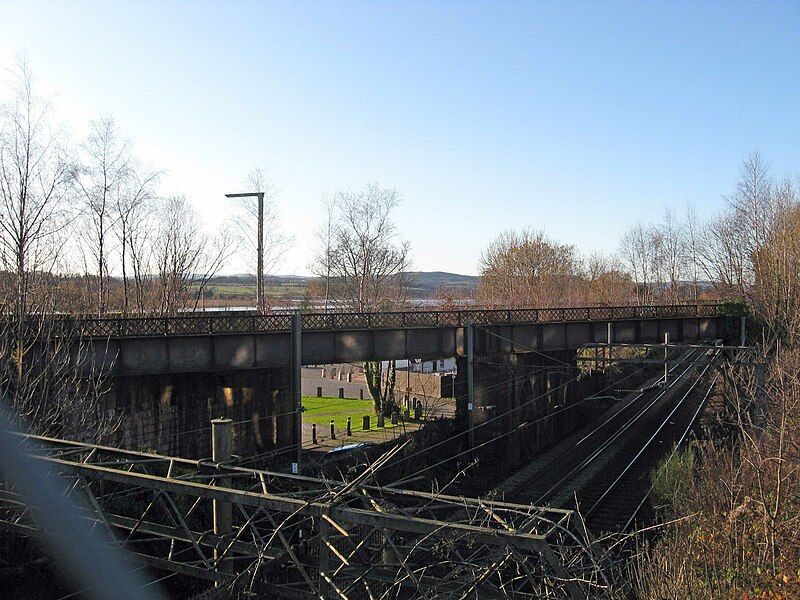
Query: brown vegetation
x=734, y=511
x=528, y=269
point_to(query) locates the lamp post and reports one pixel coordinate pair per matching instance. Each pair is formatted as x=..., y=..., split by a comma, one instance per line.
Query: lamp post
x=260, y=301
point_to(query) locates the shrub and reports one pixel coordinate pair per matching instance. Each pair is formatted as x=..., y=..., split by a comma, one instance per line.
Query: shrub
x=673, y=477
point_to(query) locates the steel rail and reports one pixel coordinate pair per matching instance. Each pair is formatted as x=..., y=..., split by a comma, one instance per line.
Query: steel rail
x=661, y=426
x=610, y=440
x=642, y=392
x=271, y=478
x=677, y=445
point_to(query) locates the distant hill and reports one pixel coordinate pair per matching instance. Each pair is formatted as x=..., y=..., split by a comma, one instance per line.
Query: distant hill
x=423, y=284
x=426, y=283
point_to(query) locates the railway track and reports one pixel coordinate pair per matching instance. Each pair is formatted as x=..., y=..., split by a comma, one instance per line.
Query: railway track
x=607, y=467
x=613, y=499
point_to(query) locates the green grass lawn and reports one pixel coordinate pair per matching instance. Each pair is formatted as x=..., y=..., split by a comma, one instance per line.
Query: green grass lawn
x=322, y=410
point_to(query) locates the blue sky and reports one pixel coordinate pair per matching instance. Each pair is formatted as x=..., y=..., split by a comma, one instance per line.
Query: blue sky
x=578, y=118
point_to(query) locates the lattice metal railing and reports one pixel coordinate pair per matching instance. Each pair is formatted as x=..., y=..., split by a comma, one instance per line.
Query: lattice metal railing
x=301, y=536
x=231, y=323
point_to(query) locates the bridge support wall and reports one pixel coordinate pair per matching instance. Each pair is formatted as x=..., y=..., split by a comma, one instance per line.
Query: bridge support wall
x=172, y=413
x=523, y=402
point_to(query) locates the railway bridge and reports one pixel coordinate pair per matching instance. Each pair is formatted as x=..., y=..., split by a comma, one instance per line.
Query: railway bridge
x=291, y=535
x=170, y=375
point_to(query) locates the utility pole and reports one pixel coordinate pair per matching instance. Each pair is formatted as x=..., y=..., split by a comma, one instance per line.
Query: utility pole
x=223, y=518
x=260, y=299
x=666, y=357
x=743, y=332
x=469, y=342
x=297, y=399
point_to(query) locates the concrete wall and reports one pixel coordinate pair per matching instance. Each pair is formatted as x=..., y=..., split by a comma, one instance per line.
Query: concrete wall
x=524, y=402
x=171, y=413
x=427, y=385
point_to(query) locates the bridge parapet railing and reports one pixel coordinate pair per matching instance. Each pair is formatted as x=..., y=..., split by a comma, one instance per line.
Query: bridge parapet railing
x=203, y=324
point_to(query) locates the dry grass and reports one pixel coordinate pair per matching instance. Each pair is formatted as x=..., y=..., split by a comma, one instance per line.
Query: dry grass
x=736, y=534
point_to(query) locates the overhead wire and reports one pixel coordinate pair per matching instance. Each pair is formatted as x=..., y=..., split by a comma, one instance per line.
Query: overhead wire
x=609, y=440
x=506, y=413
x=502, y=435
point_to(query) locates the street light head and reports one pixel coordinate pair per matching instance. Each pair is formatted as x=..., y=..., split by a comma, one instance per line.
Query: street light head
x=246, y=195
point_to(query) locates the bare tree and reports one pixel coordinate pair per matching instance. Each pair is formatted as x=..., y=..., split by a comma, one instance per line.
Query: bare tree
x=35, y=173
x=732, y=239
x=637, y=249
x=325, y=235
x=692, y=247
x=773, y=295
x=659, y=258
x=366, y=264
x=607, y=283
x=105, y=164
x=38, y=357
x=672, y=259
x=134, y=197
x=185, y=259
x=526, y=268
x=752, y=201
x=722, y=255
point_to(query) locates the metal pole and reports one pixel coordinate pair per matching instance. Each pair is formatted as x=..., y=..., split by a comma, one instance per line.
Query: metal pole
x=408, y=382
x=261, y=303
x=297, y=399
x=469, y=342
x=260, y=250
x=743, y=331
x=666, y=358
x=221, y=453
